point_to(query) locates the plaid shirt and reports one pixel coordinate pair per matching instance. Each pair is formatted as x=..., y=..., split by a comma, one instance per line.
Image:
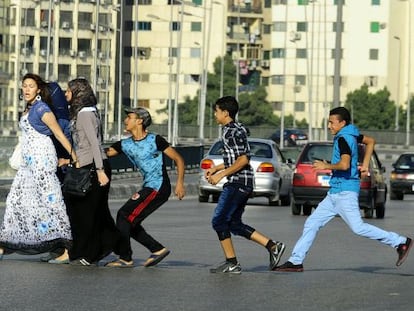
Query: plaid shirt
x=234, y=138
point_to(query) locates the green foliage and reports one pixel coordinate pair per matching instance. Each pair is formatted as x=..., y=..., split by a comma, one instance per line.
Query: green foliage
x=254, y=109
x=371, y=111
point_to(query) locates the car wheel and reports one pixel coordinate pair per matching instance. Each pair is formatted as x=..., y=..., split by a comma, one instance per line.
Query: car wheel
x=307, y=209
x=396, y=195
x=296, y=208
x=380, y=211
x=203, y=198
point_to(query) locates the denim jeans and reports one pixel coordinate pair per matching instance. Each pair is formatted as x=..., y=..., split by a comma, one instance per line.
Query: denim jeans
x=346, y=205
x=227, y=216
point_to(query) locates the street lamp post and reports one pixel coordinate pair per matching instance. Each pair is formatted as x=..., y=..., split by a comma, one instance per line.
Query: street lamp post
x=177, y=87
x=121, y=17
x=49, y=35
x=397, y=104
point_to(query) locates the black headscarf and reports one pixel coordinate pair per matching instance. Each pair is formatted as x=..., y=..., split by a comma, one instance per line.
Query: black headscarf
x=82, y=96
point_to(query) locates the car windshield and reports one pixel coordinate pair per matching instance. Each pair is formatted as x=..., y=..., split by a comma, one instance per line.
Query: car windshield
x=405, y=161
x=324, y=152
x=257, y=149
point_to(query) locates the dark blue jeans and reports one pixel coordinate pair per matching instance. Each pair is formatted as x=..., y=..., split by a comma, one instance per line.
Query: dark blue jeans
x=227, y=216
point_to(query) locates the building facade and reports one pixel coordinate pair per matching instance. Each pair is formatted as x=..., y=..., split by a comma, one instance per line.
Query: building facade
x=155, y=53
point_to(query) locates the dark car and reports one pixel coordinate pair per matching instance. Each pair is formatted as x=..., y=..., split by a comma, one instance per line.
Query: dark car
x=402, y=177
x=291, y=137
x=272, y=172
x=310, y=186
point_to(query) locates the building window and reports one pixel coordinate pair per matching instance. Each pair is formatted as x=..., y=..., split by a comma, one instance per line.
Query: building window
x=371, y=81
x=277, y=106
x=303, y=2
x=375, y=27
x=277, y=2
x=192, y=79
x=196, y=26
x=63, y=72
x=299, y=106
x=336, y=2
x=266, y=55
x=278, y=80
x=300, y=80
x=334, y=25
x=144, y=26
x=195, y=52
x=373, y=54
x=144, y=103
x=175, y=26
x=83, y=71
x=375, y=2
x=302, y=26
x=279, y=26
x=267, y=29
x=143, y=77
x=265, y=81
x=267, y=4
x=278, y=53
x=301, y=53
x=174, y=52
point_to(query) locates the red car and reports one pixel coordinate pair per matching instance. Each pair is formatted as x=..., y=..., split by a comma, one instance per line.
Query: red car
x=310, y=186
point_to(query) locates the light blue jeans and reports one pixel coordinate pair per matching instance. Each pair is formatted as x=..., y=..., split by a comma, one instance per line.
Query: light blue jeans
x=346, y=205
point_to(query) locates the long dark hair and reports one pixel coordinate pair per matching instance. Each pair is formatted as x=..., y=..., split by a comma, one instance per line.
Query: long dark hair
x=43, y=87
x=82, y=96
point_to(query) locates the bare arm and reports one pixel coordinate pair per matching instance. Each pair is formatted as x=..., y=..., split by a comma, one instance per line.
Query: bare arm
x=369, y=149
x=179, y=162
x=217, y=173
x=343, y=164
x=111, y=152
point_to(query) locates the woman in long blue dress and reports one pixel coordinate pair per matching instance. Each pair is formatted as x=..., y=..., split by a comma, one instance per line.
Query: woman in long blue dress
x=35, y=219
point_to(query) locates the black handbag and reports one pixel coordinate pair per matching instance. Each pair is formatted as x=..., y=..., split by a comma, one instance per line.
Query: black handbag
x=77, y=181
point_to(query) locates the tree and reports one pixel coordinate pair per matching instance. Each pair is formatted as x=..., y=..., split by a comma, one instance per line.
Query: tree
x=371, y=111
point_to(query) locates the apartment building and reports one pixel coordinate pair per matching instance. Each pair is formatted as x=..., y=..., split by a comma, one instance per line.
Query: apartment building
x=375, y=50
x=60, y=40
x=162, y=50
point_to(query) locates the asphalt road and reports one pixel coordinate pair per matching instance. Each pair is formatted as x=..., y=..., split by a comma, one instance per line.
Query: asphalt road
x=342, y=271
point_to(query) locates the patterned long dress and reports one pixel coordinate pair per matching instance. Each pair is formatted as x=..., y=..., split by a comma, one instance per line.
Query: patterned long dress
x=35, y=220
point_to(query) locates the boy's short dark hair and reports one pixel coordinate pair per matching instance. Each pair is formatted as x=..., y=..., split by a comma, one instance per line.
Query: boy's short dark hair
x=342, y=113
x=230, y=104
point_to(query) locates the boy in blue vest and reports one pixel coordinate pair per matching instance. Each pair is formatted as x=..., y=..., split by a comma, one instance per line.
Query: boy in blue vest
x=145, y=150
x=342, y=198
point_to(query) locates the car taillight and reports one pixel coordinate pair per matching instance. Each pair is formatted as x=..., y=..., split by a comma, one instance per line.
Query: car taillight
x=206, y=164
x=265, y=167
x=298, y=179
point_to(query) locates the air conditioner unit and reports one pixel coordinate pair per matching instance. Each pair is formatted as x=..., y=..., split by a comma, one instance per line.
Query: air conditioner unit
x=244, y=25
x=383, y=25
x=65, y=25
x=25, y=51
x=43, y=24
x=102, y=28
x=101, y=81
x=82, y=54
x=92, y=27
x=72, y=53
x=295, y=36
x=101, y=55
x=43, y=52
x=297, y=88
